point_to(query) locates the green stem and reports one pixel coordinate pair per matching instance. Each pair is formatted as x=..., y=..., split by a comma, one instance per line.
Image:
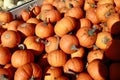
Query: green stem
x=91, y=32
x=73, y=47
x=105, y=40
x=4, y=77
x=32, y=78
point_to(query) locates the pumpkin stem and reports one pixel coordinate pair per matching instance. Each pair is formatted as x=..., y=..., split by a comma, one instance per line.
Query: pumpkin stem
x=63, y=0
x=71, y=72
x=45, y=22
x=7, y=36
x=37, y=40
x=93, y=5
x=95, y=47
x=70, y=5
x=73, y=47
x=4, y=77
x=21, y=46
x=91, y=32
x=32, y=78
x=108, y=14
x=58, y=40
x=105, y=40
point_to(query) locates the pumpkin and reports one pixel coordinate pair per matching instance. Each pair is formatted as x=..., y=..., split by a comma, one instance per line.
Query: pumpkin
x=89, y=4
x=86, y=36
x=104, y=11
x=97, y=70
x=57, y=58
x=5, y=17
x=114, y=71
x=33, y=20
x=95, y=54
x=44, y=29
x=68, y=43
x=5, y=55
x=78, y=3
x=21, y=57
x=52, y=43
x=64, y=26
x=75, y=12
x=14, y=24
x=34, y=43
x=47, y=7
x=51, y=73
x=79, y=53
x=51, y=16
x=73, y=65
x=85, y=22
x=83, y=76
x=113, y=23
x=35, y=10
x=26, y=29
x=10, y=38
x=92, y=16
x=104, y=40
x=100, y=2
x=5, y=74
x=25, y=14
x=29, y=71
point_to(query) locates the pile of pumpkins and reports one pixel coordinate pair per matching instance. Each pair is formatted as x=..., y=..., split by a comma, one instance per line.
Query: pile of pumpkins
x=61, y=40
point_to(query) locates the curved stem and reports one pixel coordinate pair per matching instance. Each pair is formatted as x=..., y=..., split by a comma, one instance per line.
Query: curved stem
x=21, y=46
x=91, y=32
x=105, y=40
x=73, y=47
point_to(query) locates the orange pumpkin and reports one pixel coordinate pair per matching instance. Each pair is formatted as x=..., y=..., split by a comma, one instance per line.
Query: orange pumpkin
x=57, y=58
x=5, y=55
x=85, y=22
x=73, y=65
x=44, y=30
x=52, y=43
x=47, y=7
x=14, y=24
x=33, y=20
x=68, y=43
x=52, y=73
x=95, y=54
x=21, y=57
x=34, y=43
x=89, y=4
x=104, y=40
x=33, y=70
x=83, y=76
x=97, y=70
x=86, y=36
x=64, y=26
x=26, y=29
x=10, y=38
x=5, y=17
x=35, y=10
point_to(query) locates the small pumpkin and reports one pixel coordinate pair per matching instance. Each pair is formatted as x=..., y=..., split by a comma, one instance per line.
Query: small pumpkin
x=64, y=26
x=26, y=29
x=10, y=38
x=52, y=43
x=86, y=36
x=104, y=11
x=75, y=12
x=21, y=57
x=95, y=54
x=73, y=65
x=34, y=43
x=97, y=70
x=85, y=22
x=68, y=43
x=83, y=76
x=89, y=4
x=14, y=24
x=51, y=73
x=35, y=10
x=44, y=29
x=33, y=20
x=5, y=55
x=104, y=40
x=5, y=17
x=57, y=58
x=33, y=70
